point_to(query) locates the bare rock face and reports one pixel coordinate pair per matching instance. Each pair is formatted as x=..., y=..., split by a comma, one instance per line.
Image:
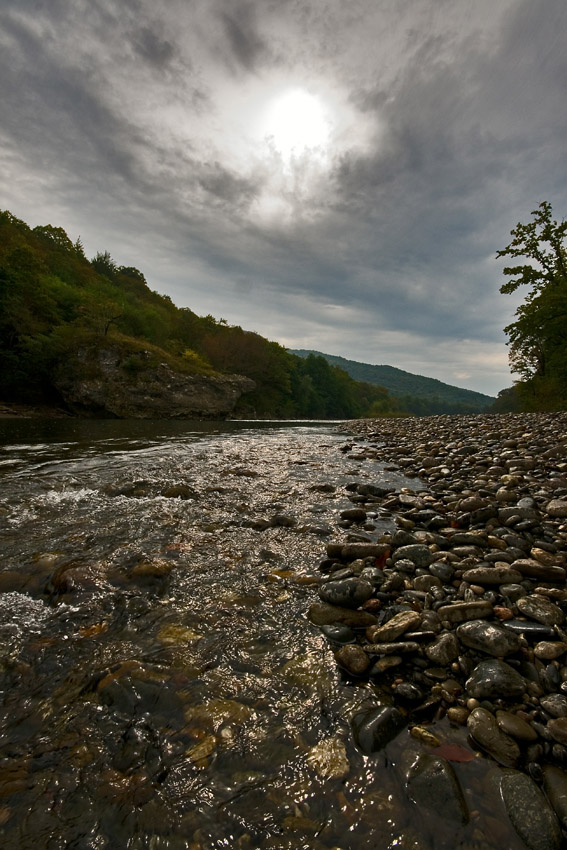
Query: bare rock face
x=111, y=384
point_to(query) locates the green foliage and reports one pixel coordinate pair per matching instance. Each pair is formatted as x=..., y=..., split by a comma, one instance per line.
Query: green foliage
x=414, y=394
x=54, y=303
x=104, y=264
x=538, y=338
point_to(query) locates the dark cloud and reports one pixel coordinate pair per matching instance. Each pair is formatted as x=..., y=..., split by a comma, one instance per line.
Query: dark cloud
x=227, y=186
x=114, y=125
x=150, y=46
x=240, y=27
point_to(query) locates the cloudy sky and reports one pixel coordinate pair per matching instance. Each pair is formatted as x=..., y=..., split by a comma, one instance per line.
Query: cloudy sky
x=334, y=174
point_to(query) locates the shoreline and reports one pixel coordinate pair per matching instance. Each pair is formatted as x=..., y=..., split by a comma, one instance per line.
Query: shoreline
x=9, y=410
x=460, y=614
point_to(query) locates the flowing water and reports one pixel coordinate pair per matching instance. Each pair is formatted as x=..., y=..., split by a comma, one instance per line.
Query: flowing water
x=161, y=686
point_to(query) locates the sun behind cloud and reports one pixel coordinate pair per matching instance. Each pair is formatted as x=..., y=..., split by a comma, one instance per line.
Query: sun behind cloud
x=297, y=122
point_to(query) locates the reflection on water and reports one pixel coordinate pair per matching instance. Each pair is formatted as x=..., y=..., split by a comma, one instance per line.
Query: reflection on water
x=161, y=685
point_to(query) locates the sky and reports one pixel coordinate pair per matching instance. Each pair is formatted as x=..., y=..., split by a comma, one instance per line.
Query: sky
x=334, y=174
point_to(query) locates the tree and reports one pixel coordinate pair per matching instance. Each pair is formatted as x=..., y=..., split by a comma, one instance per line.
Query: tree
x=530, y=240
x=104, y=264
x=538, y=337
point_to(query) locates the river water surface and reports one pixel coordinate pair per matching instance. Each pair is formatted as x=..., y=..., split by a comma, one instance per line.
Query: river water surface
x=161, y=685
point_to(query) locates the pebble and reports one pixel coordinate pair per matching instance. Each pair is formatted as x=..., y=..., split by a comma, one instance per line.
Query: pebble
x=353, y=659
x=485, y=730
x=493, y=679
x=492, y=575
x=557, y=727
x=462, y=611
x=541, y=609
x=555, y=704
x=394, y=628
x=556, y=508
x=473, y=573
x=348, y=593
x=444, y=649
x=488, y=637
x=555, y=784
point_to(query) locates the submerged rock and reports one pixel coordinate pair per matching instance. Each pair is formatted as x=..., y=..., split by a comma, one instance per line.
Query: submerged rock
x=529, y=811
x=329, y=758
x=432, y=784
x=374, y=729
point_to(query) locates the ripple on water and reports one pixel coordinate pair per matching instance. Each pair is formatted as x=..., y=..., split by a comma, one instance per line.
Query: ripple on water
x=172, y=693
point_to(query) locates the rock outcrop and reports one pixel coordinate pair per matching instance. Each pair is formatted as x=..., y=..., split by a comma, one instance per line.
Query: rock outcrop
x=111, y=383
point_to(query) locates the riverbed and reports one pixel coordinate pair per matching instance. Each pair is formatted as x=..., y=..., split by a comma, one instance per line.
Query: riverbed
x=162, y=686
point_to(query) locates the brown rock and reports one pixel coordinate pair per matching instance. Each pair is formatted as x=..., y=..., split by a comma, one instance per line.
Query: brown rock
x=353, y=659
x=394, y=628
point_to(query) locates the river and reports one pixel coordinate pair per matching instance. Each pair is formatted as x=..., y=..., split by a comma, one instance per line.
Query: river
x=161, y=684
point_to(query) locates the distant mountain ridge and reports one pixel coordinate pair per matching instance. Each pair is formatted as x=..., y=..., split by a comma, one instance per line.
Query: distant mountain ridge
x=420, y=394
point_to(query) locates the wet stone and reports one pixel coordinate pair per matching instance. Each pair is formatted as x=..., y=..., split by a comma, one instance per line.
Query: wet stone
x=442, y=571
x=432, y=784
x=529, y=811
x=533, y=569
x=547, y=650
x=425, y=583
x=494, y=679
x=531, y=630
x=321, y=614
x=555, y=784
x=557, y=508
x=558, y=729
x=554, y=704
x=353, y=514
x=514, y=726
x=338, y=633
x=492, y=575
x=460, y=612
x=353, y=659
x=418, y=554
x=484, y=729
x=488, y=637
x=348, y=593
x=444, y=650
x=541, y=609
x=395, y=648
x=329, y=759
x=374, y=729
x=394, y=628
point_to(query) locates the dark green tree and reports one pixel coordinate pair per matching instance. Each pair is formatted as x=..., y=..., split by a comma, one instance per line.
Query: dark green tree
x=538, y=337
x=104, y=264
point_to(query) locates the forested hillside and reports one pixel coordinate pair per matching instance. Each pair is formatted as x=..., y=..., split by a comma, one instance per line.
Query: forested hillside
x=54, y=302
x=416, y=393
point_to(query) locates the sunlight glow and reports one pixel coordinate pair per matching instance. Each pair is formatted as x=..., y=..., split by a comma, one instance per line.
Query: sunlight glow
x=297, y=122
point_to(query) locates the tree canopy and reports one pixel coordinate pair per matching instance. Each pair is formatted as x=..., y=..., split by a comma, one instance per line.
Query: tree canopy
x=54, y=301
x=538, y=337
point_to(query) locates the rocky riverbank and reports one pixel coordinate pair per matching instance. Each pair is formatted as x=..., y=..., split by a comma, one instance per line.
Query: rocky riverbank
x=460, y=613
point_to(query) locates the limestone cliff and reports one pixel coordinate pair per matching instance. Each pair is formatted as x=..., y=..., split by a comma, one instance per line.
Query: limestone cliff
x=111, y=383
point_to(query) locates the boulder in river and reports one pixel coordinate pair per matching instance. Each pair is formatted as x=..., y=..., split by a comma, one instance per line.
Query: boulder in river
x=374, y=729
x=529, y=811
x=432, y=784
